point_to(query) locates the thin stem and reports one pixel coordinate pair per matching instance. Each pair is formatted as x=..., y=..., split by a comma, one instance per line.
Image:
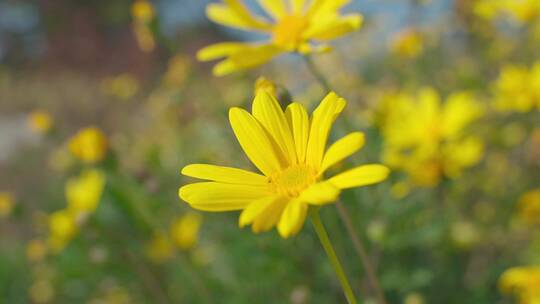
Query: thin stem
x=317, y=73
x=327, y=245
x=362, y=253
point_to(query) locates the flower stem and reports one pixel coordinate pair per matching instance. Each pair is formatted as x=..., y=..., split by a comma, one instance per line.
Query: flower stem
x=334, y=261
x=317, y=73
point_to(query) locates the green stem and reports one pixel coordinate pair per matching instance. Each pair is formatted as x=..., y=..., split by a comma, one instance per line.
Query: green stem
x=334, y=261
x=316, y=73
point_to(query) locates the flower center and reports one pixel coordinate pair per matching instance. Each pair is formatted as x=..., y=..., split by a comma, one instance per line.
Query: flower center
x=293, y=180
x=288, y=31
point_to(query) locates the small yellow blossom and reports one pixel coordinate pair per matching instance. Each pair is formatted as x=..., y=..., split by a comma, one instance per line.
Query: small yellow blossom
x=7, y=201
x=160, y=248
x=295, y=26
x=177, y=70
x=185, y=231
x=142, y=11
x=518, y=88
x=426, y=138
x=143, y=14
x=523, y=283
x=40, y=121
x=62, y=228
x=289, y=149
x=408, y=43
x=36, y=250
x=84, y=192
x=529, y=207
x=263, y=84
x=122, y=87
x=41, y=291
x=522, y=11
x=464, y=234
x=89, y=145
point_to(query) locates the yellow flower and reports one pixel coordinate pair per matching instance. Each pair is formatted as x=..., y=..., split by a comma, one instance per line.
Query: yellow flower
x=7, y=201
x=289, y=148
x=518, y=88
x=160, y=248
x=84, y=192
x=62, y=228
x=89, y=145
x=40, y=121
x=142, y=11
x=36, y=250
x=295, y=26
x=408, y=43
x=435, y=144
x=529, y=207
x=185, y=231
x=523, y=282
x=522, y=11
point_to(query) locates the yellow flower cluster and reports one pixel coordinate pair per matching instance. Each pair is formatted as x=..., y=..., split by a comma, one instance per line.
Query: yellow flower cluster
x=426, y=138
x=523, y=282
x=518, y=88
x=529, y=207
x=519, y=10
x=40, y=121
x=408, y=43
x=143, y=14
x=295, y=26
x=82, y=194
x=183, y=234
x=89, y=145
x=289, y=149
x=7, y=201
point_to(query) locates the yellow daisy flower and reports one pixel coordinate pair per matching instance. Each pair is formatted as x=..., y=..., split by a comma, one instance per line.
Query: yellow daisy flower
x=295, y=26
x=523, y=282
x=289, y=148
x=89, y=145
x=84, y=192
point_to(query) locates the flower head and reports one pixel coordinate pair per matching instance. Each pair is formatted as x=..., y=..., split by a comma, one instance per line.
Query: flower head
x=185, y=230
x=289, y=149
x=529, y=207
x=7, y=201
x=89, y=145
x=408, y=43
x=518, y=89
x=435, y=144
x=40, y=121
x=295, y=26
x=523, y=282
x=522, y=11
x=84, y=192
x=62, y=228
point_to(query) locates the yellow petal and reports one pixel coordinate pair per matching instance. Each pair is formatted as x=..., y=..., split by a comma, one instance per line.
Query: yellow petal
x=342, y=149
x=248, y=57
x=220, y=50
x=212, y=196
x=298, y=6
x=298, y=120
x=293, y=218
x=334, y=27
x=323, y=118
x=224, y=174
x=360, y=176
x=275, y=8
x=235, y=14
x=267, y=111
x=321, y=8
x=270, y=217
x=320, y=194
x=255, y=142
x=254, y=209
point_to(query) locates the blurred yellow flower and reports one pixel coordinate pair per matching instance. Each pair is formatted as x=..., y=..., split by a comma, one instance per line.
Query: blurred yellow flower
x=464, y=234
x=408, y=43
x=295, y=26
x=529, y=207
x=185, y=231
x=177, y=70
x=413, y=298
x=160, y=248
x=40, y=121
x=264, y=84
x=123, y=86
x=518, y=88
x=522, y=282
x=142, y=11
x=36, y=250
x=7, y=201
x=84, y=192
x=427, y=139
x=289, y=148
x=62, y=228
x=89, y=145
x=519, y=10
x=41, y=291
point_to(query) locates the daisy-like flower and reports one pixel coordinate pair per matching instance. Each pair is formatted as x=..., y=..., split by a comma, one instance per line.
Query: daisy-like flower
x=289, y=148
x=295, y=26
